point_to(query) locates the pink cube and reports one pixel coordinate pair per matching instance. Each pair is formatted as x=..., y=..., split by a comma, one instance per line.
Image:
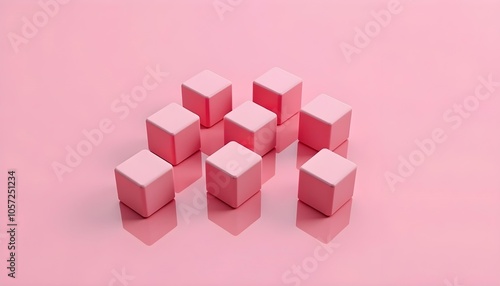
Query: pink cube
x=252, y=126
x=233, y=174
x=326, y=181
x=209, y=95
x=145, y=183
x=324, y=123
x=278, y=91
x=173, y=133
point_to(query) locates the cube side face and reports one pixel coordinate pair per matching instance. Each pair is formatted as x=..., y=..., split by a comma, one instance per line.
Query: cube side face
x=264, y=140
x=290, y=103
x=131, y=194
x=267, y=99
x=221, y=185
x=315, y=193
x=160, y=142
x=218, y=106
x=343, y=191
x=196, y=103
x=314, y=132
x=340, y=131
x=186, y=143
x=249, y=183
x=160, y=192
x=235, y=132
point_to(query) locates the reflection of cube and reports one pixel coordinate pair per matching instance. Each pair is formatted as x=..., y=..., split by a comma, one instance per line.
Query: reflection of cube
x=326, y=181
x=173, y=133
x=323, y=228
x=149, y=230
x=324, y=123
x=144, y=183
x=278, y=91
x=233, y=174
x=252, y=126
x=287, y=133
x=187, y=172
x=208, y=95
x=232, y=220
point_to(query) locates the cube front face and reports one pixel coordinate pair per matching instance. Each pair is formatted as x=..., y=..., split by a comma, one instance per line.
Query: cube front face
x=252, y=126
x=326, y=181
x=144, y=183
x=209, y=96
x=235, y=132
x=159, y=193
x=187, y=142
x=280, y=92
x=340, y=131
x=173, y=133
x=131, y=194
x=249, y=184
x=324, y=123
x=233, y=174
x=344, y=191
x=265, y=138
x=313, y=132
x=218, y=106
x=291, y=102
x=316, y=193
x=221, y=185
x=161, y=143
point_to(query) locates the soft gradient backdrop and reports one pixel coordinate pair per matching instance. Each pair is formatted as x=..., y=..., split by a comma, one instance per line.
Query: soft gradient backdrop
x=441, y=226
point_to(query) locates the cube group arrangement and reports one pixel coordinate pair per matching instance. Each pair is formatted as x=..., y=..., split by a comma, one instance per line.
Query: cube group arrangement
x=233, y=174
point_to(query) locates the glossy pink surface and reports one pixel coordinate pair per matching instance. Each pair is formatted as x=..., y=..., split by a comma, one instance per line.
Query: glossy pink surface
x=287, y=133
x=324, y=228
x=326, y=181
x=151, y=229
x=145, y=182
x=187, y=172
x=233, y=174
x=279, y=91
x=252, y=126
x=439, y=227
x=209, y=95
x=212, y=139
x=173, y=133
x=234, y=220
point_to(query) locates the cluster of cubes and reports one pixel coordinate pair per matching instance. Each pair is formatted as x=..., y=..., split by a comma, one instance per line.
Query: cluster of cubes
x=145, y=182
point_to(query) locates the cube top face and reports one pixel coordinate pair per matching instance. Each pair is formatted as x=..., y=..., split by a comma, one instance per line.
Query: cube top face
x=143, y=168
x=328, y=167
x=326, y=108
x=278, y=80
x=207, y=83
x=234, y=159
x=173, y=118
x=251, y=116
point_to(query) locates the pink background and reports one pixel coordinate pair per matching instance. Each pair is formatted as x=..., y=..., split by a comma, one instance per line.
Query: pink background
x=440, y=227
